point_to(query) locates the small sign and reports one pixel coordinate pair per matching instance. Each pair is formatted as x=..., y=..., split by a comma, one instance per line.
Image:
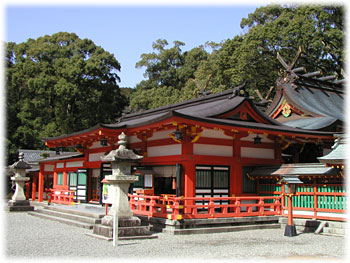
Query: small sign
x=148, y=180
x=106, y=194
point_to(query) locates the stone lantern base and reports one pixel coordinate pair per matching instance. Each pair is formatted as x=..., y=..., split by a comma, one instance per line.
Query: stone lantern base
x=20, y=206
x=127, y=227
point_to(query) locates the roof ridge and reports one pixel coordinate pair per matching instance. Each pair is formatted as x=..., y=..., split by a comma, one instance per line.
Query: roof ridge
x=178, y=105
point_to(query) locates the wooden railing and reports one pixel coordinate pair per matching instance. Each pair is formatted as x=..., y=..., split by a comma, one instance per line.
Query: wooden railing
x=328, y=202
x=65, y=197
x=177, y=208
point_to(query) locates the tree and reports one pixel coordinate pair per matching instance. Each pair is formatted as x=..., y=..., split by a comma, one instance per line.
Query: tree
x=319, y=30
x=167, y=72
x=57, y=85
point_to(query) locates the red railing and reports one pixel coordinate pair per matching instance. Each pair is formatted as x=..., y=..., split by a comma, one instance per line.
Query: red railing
x=316, y=201
x=204, y=207
x=65, y=197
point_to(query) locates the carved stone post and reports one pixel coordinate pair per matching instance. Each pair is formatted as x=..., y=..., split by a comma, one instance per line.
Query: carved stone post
x=19, y=201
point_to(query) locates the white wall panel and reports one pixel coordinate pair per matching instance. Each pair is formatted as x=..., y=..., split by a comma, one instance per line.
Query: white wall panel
x=161, y=135
x=93, y=157
x=49, y=167
x=261, y=153
x=215, y=134
x=174, y=149
x=214, y=150
x=75, y=164
x=59, y=165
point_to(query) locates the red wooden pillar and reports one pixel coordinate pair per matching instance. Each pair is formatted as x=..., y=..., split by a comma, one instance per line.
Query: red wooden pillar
x=236, y=167
x=54, y=179
x=34, y=183
x=189, y=183
x=290, y=229
x=65, y=179
x=89, y=189
x=41, y=184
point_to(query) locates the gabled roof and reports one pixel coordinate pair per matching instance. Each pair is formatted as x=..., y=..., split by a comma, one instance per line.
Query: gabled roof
x=298, y=169
x=318, y=102
x=232, y=108
x=339, y=154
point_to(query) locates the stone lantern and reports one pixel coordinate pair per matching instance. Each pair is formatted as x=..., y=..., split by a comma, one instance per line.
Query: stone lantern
x=19, y=201
x=121, y=160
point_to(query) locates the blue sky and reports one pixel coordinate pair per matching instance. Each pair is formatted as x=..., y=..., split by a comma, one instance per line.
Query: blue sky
x=127, y=31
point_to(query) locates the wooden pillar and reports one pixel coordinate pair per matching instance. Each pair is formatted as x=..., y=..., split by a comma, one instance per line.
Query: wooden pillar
x=54, y=179
x=65, y=179
x=41, y=184
x=34, y=183
x=315, y=196
x=89, y=185
x=189, y=183
x=236, y=168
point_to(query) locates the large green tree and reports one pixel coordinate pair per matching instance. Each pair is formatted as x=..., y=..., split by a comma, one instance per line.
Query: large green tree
x=167, y=71
x=250, y=57
x=318, y=30
x=58, y=84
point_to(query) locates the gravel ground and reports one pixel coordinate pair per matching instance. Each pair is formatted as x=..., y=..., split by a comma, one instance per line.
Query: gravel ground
x=44, y=239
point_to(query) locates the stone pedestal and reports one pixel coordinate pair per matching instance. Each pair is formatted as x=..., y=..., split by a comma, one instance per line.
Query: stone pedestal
x=127, y=227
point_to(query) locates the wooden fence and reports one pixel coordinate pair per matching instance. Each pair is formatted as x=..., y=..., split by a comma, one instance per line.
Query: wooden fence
x=177, y=208
x=318, y=201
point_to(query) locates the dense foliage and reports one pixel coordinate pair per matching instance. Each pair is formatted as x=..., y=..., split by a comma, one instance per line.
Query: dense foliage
x=56, y=85
x=60, y=84
x=250, y=57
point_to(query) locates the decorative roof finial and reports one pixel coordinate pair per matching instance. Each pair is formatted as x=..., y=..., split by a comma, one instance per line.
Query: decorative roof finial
x=122, y=141
x=21, y=156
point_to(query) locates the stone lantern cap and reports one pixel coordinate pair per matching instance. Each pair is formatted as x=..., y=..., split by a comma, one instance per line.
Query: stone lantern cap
x=20, y=164
x=122, y=154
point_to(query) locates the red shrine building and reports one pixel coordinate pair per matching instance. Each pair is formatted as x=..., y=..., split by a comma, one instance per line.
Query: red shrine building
x=221, y=153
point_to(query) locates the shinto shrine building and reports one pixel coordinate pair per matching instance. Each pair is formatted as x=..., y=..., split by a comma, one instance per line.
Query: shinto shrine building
x=202, y=148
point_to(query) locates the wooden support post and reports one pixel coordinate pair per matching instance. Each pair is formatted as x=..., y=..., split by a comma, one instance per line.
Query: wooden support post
x=189, y=185
x=34, y=183
x=41, y=184
x=290, y=229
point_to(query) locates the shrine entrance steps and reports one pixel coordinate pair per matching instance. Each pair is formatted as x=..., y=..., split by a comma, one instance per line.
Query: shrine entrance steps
x=211, y=225
x=75, y=215
x=334, y=228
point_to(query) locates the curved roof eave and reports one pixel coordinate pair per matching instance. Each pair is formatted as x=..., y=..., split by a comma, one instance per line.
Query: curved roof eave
x=89, y=130
x=256, y=126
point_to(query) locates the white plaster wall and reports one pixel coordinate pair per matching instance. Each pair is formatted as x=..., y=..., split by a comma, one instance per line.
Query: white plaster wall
x=261, y=153
x=161, y=135
x=49, y=167
x=93, y=157
x=214, y=134
x=214, y=150
x=74, y=164
x=174, y=149
x=59, y=165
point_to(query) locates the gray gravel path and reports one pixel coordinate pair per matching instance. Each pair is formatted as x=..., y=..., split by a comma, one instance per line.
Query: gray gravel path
x=42, y=239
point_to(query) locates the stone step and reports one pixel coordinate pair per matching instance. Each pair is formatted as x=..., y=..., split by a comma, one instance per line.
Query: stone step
x=122, y=238
x=75, y=210
x=62, y=220
x=68, y=215
x=222, y=229
x=334, y=231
